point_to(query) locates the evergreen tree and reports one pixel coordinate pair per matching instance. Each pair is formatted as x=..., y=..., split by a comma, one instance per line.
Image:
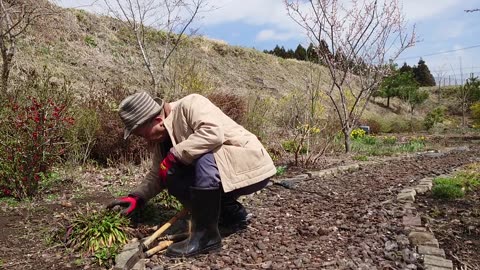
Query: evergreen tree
x=276, y=51
x=406, y=68
x=323, y=48
x=300, y=53
x=312, y=55
x=290, y=54
x=423, y=75
x=399, y=84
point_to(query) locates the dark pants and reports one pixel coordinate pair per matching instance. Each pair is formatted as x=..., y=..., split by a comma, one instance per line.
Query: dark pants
x=203, y=173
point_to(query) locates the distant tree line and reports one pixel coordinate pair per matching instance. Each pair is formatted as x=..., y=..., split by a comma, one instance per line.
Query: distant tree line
x=421, y=73
x=300, y=53
x=312, y=55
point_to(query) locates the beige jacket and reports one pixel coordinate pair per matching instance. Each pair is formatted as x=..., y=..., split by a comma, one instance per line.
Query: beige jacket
x=196, y=126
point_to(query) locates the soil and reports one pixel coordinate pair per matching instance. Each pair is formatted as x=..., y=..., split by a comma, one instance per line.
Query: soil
x=346, y=221
x=456, y=225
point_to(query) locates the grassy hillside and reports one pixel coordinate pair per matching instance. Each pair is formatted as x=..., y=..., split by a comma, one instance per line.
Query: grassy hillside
x=99, y=55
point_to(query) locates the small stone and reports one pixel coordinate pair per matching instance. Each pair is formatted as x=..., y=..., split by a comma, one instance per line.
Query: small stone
x=420, y=238
x=406, y=197
x=426, y=250
x=437, y=261
x=390, y=245
x=412, y=221
x=266, y=265
x=261, y=246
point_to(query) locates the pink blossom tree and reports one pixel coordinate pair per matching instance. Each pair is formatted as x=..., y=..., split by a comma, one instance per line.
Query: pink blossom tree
x=364, y=38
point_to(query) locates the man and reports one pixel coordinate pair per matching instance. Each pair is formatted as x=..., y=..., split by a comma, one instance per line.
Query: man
x=203, y=157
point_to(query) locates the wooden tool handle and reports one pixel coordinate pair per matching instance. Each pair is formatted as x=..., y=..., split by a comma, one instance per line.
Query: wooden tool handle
x=161, y=246
x=162, y=229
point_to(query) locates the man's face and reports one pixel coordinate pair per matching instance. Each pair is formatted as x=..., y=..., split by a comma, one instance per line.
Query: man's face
x=152, y=131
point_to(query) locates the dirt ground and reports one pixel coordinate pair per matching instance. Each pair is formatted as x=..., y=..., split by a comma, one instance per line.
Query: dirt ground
x=347, y=221
x=456, y=225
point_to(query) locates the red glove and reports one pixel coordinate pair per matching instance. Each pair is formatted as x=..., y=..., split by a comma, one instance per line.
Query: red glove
x=131, y=202
x=168, y=162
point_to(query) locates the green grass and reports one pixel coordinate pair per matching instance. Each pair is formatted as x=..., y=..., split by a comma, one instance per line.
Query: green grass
x=458, y=185
x=10, y=201
x=281, y=170
x=373, y=146
x=360, y=158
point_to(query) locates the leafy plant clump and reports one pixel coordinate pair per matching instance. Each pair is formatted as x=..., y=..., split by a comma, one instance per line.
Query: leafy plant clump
x=435, y=116
x=98, y=234
x=447, y=188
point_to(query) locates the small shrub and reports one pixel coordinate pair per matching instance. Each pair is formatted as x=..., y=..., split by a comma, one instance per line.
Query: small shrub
x=435, y=116
x=399, y=125
x=291, y=146
x=374, y=124
x=32, y=135
x=475, y=110
x=82, y=134
x=232, y=105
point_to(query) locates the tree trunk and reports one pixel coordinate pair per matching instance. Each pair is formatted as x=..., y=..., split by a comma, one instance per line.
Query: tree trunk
x=388, y=102
x=7, y=60
x=348, y=141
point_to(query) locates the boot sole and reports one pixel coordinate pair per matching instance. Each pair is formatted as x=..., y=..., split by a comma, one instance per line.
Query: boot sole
x=207, y=250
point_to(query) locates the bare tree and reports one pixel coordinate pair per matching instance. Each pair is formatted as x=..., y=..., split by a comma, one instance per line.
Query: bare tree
x=173, y=17
x=15, y=17
x=362, y=37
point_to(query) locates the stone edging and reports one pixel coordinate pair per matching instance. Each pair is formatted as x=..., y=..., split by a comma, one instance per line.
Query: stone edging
x=425, y=242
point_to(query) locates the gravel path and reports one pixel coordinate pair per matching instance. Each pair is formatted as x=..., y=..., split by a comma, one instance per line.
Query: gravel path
x=348, y=221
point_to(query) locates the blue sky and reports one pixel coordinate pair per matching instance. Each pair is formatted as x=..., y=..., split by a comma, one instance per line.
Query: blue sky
x=441, y=25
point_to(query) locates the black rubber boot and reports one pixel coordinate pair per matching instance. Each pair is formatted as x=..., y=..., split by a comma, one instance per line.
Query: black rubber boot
x=232, y=213
x=204, y=236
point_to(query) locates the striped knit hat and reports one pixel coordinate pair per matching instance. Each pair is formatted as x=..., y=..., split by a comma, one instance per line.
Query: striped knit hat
x=136, y=109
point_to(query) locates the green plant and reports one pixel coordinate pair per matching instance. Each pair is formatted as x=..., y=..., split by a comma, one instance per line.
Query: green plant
x=32, y=135
x=360, y=158
x=357, y=133
x=100, y=234
x=447, y=188
x=370, y=140
x=291, y=146
x=281, y=170
x=475, y=110
x=82, y=135
x=389, y=140
x=437, y=115
x=168, y=201
x=90, y=41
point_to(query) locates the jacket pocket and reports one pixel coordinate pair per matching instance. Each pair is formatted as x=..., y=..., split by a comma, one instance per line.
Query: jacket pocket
x=244, y=160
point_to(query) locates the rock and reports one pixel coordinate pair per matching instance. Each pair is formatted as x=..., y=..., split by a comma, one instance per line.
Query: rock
x=430, y=260
x=390, y=245
x=266, y=265
x=412, y=221
x=420, y=238
x=427, y=250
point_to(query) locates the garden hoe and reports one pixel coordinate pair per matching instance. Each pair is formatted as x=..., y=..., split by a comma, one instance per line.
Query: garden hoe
x=166, y=241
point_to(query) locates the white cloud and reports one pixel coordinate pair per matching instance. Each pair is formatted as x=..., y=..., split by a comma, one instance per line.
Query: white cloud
x=270, y=34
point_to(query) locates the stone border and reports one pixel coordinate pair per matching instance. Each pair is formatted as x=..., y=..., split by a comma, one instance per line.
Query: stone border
x=425, y=242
